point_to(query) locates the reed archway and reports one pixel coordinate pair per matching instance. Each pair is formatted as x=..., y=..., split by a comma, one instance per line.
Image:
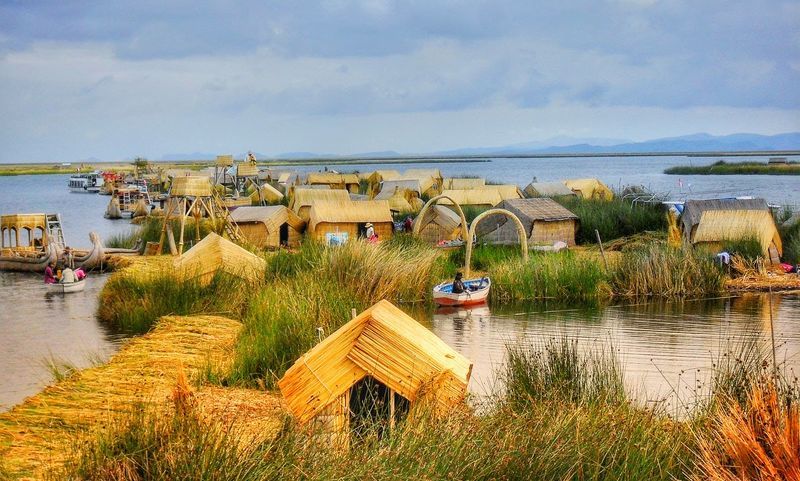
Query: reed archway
x=523, y=239
x=433, y=201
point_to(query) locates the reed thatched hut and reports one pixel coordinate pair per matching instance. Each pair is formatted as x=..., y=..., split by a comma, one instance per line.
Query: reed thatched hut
x=215, y=253
x=547, y=189
x=347, y=182
x=439, y=224
x=545, y=221
x=480, y=198
x=590, y=189
x=505, y=191
x=459, y=183
x=269, y=227
x=431, y=181
x=382, y=348
x=715, y=221
x=407, y=186
x=335, y=222
x=266, y=193
x=375, y=179
x=303, y=199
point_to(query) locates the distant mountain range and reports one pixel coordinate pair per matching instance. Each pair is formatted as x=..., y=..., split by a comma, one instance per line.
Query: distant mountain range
x=687, y=143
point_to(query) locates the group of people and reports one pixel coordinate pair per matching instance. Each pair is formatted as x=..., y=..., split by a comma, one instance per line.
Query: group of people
x=67, y=274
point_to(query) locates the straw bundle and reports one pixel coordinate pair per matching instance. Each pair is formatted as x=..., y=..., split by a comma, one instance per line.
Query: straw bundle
x=215, y=253
x=386, y=344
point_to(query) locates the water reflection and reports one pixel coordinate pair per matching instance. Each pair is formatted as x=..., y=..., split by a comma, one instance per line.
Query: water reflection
x=664, y=346
x=38, y=325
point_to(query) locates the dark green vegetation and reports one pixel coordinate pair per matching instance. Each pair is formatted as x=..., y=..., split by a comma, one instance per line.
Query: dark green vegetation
x=749, y=249
x=563, y=415
x=790, y=236
x=613, y=219
x=722, y=167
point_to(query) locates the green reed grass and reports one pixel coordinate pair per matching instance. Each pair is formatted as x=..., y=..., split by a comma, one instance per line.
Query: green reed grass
x=790, y=235
x=564, y=276
x=748, y=248
x=557, y=370
x=663, y=271
x=133, y=303
x=613, y=219
x=150, y=231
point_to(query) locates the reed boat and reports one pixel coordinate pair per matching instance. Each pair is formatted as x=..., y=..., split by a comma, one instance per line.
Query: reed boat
x=26, y=261
x=477, y=290
x=67, y=287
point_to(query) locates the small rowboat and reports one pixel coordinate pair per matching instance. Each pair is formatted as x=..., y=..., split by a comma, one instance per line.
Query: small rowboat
x=67, y=287
x=477, y=290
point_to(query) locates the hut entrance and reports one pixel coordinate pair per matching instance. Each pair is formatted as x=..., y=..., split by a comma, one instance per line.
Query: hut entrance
x=374, y=408
x=362, y=230
x=284, y=234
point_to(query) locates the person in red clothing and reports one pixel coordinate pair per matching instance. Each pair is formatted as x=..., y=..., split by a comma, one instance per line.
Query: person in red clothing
x=49, y=274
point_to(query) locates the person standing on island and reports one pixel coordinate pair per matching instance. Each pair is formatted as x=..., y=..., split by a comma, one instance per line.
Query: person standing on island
x=69, y=258
x=49, y=275
x=251, y=157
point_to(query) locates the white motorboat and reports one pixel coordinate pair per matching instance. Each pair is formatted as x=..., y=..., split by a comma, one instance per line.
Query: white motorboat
x=86, y=183
x=67, y=287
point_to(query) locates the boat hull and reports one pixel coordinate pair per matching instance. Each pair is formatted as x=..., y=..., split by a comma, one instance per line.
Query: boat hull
x=477, y=292
x=67, y=288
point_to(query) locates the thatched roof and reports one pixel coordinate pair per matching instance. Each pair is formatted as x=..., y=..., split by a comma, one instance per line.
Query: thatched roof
x=457, y=183
x=215, y=253
x=224, y=160
x=23, y=221
x=341, y=212
x=388, y=188
x=547, y=189
x=399, y=203
x=329, y=178
x=246, y=170
x=383, y=175
x=382, y=342
x=272, y=216
x=307, y=197
x=490, y=197
x=506, y=191
x=693, y=209
x=194, y=186
x=537, y=209
x=722, y=225
x=590, y=188
x=268, y=193
x=442, y=216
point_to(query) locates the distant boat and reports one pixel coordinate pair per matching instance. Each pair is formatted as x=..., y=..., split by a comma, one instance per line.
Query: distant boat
x=86, y=183
x=67, y=287
x=477, y=290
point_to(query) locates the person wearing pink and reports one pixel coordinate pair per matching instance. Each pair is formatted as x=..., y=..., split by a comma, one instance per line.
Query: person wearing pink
x=79, y=273
x=49, y=275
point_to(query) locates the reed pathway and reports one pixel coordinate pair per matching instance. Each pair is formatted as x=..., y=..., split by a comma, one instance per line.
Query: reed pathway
x=38, y=435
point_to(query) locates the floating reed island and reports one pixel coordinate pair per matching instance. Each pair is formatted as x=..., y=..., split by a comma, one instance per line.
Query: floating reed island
x=775, y=166
x=281, y=343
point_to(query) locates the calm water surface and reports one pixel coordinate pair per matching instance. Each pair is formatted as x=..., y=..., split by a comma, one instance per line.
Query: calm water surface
x=662, y=345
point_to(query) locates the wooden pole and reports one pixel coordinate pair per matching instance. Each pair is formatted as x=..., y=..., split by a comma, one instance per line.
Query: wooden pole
x=183, y=225
x=602, y=252
x=391, y=409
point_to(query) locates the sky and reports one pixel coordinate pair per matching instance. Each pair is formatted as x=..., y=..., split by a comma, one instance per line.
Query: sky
x=114, y=80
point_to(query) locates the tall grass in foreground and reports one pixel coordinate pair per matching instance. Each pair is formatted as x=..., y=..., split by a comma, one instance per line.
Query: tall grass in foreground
x=133, y=302
x=663, y=271
x=564, y=276
x=613, y=219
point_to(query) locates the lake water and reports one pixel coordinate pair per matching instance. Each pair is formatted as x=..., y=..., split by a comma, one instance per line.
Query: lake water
x=655, y=341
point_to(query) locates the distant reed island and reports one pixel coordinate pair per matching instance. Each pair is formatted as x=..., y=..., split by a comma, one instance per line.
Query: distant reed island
x=775, y=166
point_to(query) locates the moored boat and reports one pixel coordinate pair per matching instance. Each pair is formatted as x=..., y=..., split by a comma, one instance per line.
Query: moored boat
x=86, y=183
x=67, y=287
x=476, y=291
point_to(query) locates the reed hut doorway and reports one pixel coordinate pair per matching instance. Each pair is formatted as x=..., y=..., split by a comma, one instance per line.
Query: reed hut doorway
x=375, y=409
x=362, y=230
x=284, y=234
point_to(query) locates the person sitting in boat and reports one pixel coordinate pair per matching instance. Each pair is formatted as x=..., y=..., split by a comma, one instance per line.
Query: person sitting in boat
x=68, y=276
x=49, y=273
x=80, y=274
x=458, y=284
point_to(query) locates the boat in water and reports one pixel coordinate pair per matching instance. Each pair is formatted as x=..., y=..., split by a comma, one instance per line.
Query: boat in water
x=476, y=292
x=67, y=287
x=90, y=183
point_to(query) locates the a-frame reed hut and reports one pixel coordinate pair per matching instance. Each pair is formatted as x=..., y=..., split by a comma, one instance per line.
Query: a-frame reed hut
x=477, y=198
x=304, y=198
x=547, y=189
x=269, y=227
x=266, y=194
x=215, y=253
x=409, y=187
x=348, y=182
x=461, y=183
x=713, y=222
x=590, y=189
x=375, y=179
x=336, y=222
x=545, y=222
x=439, y=224
x=383, y=346
x=431, y=181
